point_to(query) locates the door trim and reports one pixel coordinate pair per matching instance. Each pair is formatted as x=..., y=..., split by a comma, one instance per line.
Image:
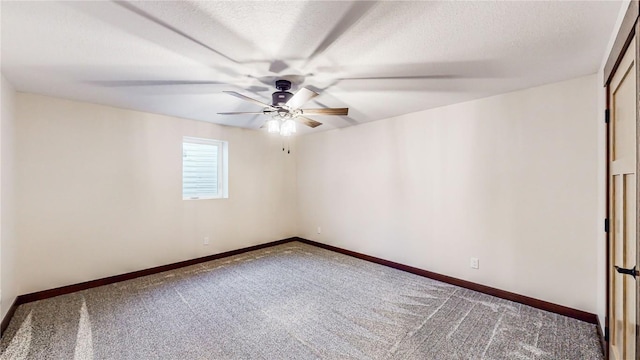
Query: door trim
x=625, y=34
x=630, y=26
x=607, y=228
x=637, y=55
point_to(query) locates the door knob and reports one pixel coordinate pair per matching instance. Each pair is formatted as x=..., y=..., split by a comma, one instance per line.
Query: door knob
x=633, y=272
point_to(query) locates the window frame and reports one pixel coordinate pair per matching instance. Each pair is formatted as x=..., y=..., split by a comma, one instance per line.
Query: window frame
x=222, y=171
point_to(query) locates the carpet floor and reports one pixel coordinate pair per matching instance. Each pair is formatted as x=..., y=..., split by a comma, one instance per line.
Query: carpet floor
x=292, y=301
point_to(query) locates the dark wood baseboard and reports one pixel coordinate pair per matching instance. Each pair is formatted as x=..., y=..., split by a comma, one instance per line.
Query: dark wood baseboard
x=536, y=303
x=540, y=304
x=7, y=318
x=603, y=344
x=45, y=294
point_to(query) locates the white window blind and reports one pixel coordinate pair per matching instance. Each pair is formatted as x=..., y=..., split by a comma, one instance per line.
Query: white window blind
x=203, y=168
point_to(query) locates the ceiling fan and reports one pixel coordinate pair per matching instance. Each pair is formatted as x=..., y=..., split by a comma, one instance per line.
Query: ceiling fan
x=285, y=110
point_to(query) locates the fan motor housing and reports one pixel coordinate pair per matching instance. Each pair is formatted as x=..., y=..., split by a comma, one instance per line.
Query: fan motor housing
x=280, y=97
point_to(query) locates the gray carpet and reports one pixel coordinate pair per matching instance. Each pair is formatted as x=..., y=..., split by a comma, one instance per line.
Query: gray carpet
x=292, y=301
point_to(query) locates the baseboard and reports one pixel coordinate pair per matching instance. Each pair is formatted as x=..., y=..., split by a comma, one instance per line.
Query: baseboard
x=539, y=304
x=536, y=303
x=7, y=317
x=45, y=294
x=603, y=345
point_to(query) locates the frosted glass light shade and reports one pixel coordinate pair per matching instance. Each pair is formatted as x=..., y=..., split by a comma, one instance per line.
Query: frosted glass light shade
x=288, y=127
x=273, y=126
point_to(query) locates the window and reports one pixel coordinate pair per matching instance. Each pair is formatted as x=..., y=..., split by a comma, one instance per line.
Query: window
x=204, y=169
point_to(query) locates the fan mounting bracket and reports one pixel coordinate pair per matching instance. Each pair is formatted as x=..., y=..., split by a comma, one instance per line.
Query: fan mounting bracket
x=283, y=85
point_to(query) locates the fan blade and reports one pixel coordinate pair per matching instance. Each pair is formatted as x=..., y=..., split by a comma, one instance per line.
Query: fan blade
x=301, y=96
x=241, y=113
x=255, y=89
x=308, y=122
x=278, y=66
x=403, y=77
x=271, y=79
x=473, y=69
x=329, y=111
x=356, y=12
x=246, y=98
x=135, y=9
x=125, y=83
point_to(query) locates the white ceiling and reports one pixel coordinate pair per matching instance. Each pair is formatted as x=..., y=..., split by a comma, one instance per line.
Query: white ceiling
x=89, y=50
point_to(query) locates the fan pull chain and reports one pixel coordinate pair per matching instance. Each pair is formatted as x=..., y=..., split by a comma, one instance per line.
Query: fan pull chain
x=288, y=146
x=282, y=144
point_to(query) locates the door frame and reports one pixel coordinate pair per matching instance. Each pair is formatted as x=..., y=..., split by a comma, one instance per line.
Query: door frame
x=630, y=26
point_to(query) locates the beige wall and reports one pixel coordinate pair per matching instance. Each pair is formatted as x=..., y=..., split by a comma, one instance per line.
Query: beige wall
x=8, y=240
x=99, y=192
x=510, y=179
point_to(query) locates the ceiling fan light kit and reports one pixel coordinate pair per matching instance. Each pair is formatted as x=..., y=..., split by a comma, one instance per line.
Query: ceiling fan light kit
x=284, y=127
x=285, y=109
x=288, y=128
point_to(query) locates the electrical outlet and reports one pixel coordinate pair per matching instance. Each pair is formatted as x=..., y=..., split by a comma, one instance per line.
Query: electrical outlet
x=205, y=241
x=319, y=230
x=475, y=263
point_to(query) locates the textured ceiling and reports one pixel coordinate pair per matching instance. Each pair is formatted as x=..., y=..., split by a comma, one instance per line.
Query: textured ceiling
x=380, y=59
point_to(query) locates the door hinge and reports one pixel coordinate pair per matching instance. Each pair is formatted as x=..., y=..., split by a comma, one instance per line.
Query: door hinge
x=606, y=225
x=606, y=334
x=607, y=115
